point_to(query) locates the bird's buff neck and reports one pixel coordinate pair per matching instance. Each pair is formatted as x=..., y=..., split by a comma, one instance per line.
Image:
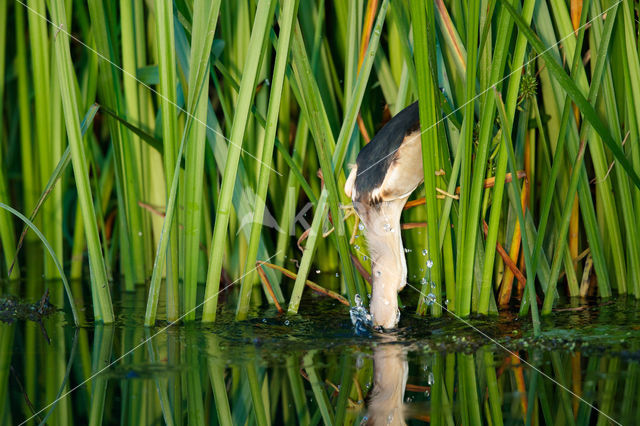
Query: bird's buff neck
x=388, y=265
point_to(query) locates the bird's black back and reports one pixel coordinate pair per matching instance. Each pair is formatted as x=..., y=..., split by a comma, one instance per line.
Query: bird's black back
x=375, y=158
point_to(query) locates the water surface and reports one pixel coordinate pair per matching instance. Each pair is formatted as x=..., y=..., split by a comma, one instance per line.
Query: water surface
x=314, y=368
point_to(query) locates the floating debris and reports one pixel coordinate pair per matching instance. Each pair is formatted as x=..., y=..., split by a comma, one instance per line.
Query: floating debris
x=12, y=309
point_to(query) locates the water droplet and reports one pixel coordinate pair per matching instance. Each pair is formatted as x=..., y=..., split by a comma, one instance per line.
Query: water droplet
x=361, y=226
x=264, y=320
x=424, y=252
x=358, y=300
x=433, y=285
x=369, y=295
x=318, y=271
x=140, y=234
x=337, y=275
x=387, y=227
x=378, y=273
x=430, y=379
x=407, y=250
x=431, y=298
x=365, y=258
x=446, y=302
x=357, y=247
x=286, y=322
x=386, y=302
x=429, y=263
x=423, y=281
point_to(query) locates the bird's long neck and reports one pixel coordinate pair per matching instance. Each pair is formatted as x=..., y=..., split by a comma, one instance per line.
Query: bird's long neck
x=388, y=265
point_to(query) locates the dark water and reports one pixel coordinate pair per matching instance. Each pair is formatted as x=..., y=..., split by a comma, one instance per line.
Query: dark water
x=313, y=369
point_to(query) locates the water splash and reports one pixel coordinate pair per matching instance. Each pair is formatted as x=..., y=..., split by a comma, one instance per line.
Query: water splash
x=360, y=317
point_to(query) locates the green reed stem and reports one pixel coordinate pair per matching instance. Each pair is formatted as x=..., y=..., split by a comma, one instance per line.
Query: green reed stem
x=30, y=174
x=168, y=107
x=205, y=17
x=424, y=44
x=506, y=138
x=262, y=23
x=103, y=309
x=127, y=174
x=287, y=15
x=7, y=232
x=471, y=223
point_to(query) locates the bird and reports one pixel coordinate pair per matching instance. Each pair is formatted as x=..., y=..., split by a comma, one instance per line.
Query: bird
x=387, y=170
x=385, y=402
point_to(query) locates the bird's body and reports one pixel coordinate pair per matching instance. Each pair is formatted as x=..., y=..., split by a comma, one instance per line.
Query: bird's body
x=388, y=169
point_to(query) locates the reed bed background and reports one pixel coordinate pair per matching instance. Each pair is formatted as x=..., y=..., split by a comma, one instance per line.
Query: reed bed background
x=170, y=144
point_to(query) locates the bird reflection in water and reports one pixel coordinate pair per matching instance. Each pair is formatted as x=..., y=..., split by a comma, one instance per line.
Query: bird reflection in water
x=390, y=369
